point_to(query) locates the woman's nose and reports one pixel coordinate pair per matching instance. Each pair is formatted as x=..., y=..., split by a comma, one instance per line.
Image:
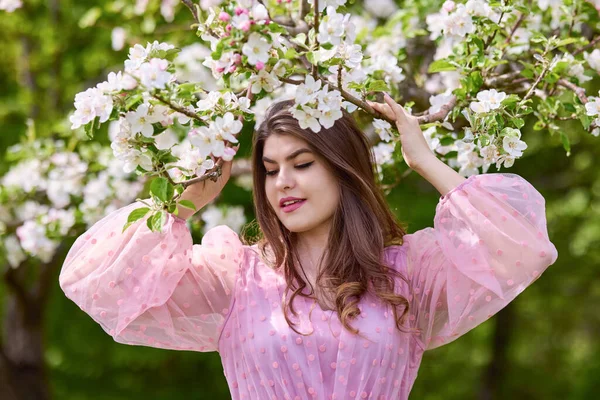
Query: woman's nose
x=284, y=180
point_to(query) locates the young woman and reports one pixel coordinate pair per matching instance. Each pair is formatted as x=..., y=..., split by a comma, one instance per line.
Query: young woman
x=335, y=301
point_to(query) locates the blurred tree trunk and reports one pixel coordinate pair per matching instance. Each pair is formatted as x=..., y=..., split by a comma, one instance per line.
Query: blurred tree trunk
x=494, y=374
x=23, y=373
x=22, y=370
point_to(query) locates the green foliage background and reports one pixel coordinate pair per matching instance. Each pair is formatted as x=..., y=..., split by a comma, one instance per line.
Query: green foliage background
x=552, y=346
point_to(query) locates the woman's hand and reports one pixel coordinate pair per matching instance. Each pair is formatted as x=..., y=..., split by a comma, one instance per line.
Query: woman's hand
x=204, y=192
x=415, y=149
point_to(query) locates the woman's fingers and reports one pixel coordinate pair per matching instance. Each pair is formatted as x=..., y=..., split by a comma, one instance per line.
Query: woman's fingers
x=382, y=109
x=396, y=108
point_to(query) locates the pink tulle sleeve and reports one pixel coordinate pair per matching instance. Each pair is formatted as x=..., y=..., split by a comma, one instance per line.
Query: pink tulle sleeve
x=489, y=242
x=154, y=289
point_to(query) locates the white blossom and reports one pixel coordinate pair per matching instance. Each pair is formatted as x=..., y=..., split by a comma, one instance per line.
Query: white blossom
x=35, y=242
x=592, y=107
x=10, y=5
x=383, y=129
x=134, y=158
x=14, y=253
x=154, y=74
x=326, y=3
x=264, y=81
x=381, y=8
x=593, y=59
x=227, y=127
x=256, y=49
x=141, y=120
x=488, y=100
x=307, y=117
x=307, y=91
x=118, y=36
x=513, y=146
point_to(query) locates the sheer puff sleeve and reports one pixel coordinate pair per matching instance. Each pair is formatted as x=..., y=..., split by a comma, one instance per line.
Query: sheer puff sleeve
x=154, y=288
x=489, y=242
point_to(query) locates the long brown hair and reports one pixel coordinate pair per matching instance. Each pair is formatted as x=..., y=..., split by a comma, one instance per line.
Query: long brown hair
x=362, y=225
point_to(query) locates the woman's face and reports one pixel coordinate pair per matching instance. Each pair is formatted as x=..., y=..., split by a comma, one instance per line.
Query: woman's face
x=295, y=172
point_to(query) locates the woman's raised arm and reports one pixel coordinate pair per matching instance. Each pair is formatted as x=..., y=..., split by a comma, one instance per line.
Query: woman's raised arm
x=154, y=288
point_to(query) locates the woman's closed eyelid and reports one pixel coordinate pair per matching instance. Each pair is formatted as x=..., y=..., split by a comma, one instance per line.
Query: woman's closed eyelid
x=298, y=166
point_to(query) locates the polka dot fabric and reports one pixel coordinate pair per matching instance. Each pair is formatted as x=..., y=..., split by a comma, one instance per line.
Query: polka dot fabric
x=488, y=243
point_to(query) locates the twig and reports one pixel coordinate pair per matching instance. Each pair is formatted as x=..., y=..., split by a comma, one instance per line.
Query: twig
x=580, y=92
x=315, y=69
x=510, y=35
x=176, y=107
x=192, y=7
x=498, y=80
x=537, y=81
x=291, y=81
x=590, y=44
x=441, y=114
x=304, y=7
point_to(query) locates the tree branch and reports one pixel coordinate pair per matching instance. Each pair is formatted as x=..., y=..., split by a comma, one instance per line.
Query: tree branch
x=315, y=69
x=590, y=44
x=580, y=92
x=192, y=7
x=176, y=107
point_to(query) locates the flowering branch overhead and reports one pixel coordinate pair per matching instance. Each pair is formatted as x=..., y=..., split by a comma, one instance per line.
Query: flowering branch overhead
x=489, y=64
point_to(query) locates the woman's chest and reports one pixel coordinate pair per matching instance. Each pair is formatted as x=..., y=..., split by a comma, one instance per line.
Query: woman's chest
x=257, y=334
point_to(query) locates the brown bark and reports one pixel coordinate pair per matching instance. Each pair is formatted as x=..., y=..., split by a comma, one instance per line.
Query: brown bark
x=494, y=374
x=22, y=368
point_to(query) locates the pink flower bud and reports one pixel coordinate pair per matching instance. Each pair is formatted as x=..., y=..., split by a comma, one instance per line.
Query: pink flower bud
x=245, y=26
x=237, y=58
x=228, y=154
x=232, y=68
x=239, y=11
x=228, y=28
x=260, y=65
x=220, y=69
x=223, y=16
x=449, y=6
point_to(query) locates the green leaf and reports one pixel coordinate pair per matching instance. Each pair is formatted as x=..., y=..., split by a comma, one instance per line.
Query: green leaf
x=441, y=65
x=160, y=188
x=567, y=41
x=378, y=86
x=566, y=143
x=171, y=54
x=188, y=204
x=216, y=55
x=135, y=215
x=156, y=221
x=447, y=140
x=518, y=122
x=585, y=121
x=89, y=129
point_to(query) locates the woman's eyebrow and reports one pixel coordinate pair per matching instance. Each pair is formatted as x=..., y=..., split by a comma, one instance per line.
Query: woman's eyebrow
x=293, y=155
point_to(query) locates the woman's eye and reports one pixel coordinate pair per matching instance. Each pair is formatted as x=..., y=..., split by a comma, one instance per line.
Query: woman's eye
x=304, y=165
x=301, y=166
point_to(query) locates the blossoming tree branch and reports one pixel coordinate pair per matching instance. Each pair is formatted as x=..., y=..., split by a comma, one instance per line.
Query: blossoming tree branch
x=496, y=66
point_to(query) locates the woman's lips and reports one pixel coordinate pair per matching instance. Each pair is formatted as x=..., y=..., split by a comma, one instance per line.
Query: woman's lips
x=292, y=207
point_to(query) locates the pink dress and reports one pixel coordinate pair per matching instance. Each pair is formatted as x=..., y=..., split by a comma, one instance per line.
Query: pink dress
x=159, y=289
